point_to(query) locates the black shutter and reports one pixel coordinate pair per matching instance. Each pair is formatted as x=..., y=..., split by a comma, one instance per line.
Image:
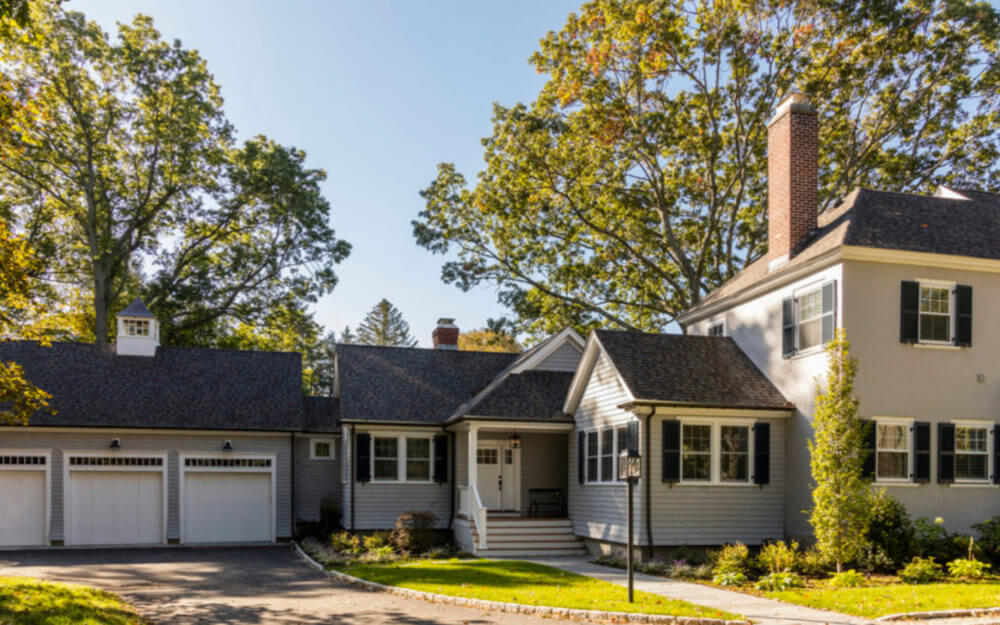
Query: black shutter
x=363, y=456
x=922, y=451
x=909, y=315
x=868, y=468
x=963, y=315
x=581, y=450
x=996, y=453
x=762, y=453
x=671, y=451
x=440, y=459
x=632, y=437
x=946, y=453
x=788, y=327
x=829, y=311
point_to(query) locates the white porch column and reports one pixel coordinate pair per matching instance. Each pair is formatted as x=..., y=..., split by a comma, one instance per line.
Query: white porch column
x=473, y=463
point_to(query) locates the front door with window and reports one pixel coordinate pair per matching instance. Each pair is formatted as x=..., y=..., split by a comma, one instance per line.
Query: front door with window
x=496, y=477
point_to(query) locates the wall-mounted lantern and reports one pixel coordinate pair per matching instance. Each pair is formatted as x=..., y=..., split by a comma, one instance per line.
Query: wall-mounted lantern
x=227, y=446
x=515, y=441
x=115, y=444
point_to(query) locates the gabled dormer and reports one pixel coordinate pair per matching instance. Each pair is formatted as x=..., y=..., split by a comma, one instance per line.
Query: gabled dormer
x=138, y=331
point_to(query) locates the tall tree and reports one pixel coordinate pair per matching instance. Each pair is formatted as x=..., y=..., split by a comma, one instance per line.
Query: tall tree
x=841, y=497
x=384, y=325
x=124, y=171
x=635, y=182
x=486, y=340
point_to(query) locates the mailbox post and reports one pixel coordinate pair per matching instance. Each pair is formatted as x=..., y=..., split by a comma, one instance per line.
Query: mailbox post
x=629, y=469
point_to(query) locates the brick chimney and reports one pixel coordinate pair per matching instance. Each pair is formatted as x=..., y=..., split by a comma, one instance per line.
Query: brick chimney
x=445, y=335
x=792, y=176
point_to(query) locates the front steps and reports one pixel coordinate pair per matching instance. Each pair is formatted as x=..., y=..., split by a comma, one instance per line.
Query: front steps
x=508, y=536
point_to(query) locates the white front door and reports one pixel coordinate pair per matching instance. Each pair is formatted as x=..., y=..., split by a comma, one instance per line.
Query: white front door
x=115, y=508
x=22, y=517
x=227, y=507
x=497, y=477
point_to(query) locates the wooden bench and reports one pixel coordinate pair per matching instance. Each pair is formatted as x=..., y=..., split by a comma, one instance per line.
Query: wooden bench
x=546, y=502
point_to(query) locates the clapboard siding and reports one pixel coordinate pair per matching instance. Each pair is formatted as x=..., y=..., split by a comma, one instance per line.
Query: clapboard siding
x=378, y=505
x=315, y=479
x=565, y=358
x=598, y=510
x=174, y=443
x=712, y=515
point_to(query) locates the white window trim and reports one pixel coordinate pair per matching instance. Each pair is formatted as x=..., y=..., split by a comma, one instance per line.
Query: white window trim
x=618, y=429
x=910, y=452
x=797, y=293
x=312, y=449
x=977, y=423
x=401, y=457
x=721, y=321
x=715, y=451
x=938, y=284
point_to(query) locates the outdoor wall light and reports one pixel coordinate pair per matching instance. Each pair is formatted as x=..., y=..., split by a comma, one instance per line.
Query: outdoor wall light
x=227, y=446
x=115, y=444
x=515, y=441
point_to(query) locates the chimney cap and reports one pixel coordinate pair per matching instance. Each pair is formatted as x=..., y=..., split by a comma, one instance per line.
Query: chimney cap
x=794, y=102
x=446, y=321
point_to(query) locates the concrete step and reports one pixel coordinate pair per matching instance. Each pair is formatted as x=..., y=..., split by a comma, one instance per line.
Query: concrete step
x=545, y=531
x=538, y=553
x=529, y=539
x=522, y=521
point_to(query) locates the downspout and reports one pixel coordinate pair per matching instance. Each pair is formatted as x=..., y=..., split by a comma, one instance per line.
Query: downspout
x=454, y=475
x=291, y=441
x=647, y=436
x=352, y=471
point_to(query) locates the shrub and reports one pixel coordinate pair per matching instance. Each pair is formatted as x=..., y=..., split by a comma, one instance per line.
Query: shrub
x=702, y=571
x=890, y=534
x=934, y=541
x=734, y=558
x=989, y=537
x=967, y=569
x=414, y=531
x=346, y=543
x=443, y=552
x=847, y=579
x=329, y=515
x=385, y=553
x=681, y=569
x=377, y=540
x=655, y=567
x=779, y=581
x=730, y=579
x=611, y=560
x=813, y=562
x=778, y=557
x=921, y=571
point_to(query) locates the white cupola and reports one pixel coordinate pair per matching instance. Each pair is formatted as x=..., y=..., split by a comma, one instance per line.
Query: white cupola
x=138, y=331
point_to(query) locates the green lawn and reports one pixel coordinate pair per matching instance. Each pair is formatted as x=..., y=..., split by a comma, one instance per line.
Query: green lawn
x=26, y=601
x=887, y=599
x=521, y=582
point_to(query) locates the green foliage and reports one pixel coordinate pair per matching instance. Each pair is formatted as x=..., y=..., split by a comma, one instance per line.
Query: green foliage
x=346, y=543
x=848, y=579
x=636, y=180
x=25, y=601
x=933, y=540
x=841, y=498
x=891, y=535
x=731, y=578
x=921, y=571
x=813, y=562
x=413, y=531
x=732, y=558
x=779, y=581
x=778, y=557
x=486, y=340
x=989, y=537
x=384, y=325
x=967, y=569
x=383, y=553
x=377, y=540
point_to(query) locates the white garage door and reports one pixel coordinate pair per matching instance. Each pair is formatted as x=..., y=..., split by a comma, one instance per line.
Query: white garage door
x=227, y=507
x=22, y=491
x=114, y=507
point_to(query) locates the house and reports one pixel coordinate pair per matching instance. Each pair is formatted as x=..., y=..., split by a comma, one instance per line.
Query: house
x=518, y=454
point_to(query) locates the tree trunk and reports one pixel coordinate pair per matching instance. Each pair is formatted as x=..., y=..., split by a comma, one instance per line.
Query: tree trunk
x=100, y=309
x=840, y=567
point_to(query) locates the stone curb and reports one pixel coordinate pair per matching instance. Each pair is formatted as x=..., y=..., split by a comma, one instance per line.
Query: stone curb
x=937, y=614
x=516, y=608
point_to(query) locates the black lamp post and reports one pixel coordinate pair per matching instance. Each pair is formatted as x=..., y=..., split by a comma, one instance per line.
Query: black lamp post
x=629, y=469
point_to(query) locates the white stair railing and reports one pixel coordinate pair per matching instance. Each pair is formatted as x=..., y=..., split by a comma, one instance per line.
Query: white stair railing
x=478, y=513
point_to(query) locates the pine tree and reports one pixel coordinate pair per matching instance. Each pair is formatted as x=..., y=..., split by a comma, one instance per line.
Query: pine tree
x=384, y=325
x=842, y=496
x=347, y=336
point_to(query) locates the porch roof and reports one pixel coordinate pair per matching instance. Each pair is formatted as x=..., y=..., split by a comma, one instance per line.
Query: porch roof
x=527, y=396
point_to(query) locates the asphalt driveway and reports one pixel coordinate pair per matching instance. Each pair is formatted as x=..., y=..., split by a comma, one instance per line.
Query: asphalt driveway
x=183, y=586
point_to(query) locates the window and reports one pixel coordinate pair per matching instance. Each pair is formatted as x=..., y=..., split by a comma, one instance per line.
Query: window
x=621, y=435
x=734, y=453
x=322, y=449
x=696, y=453
x=607, y=455
x=717, y=329
x=592, y=466
x=486, y=455
x=935, y=314
x=971, y=453
x=386, y=458
x=892, y=461
x=810, y=319
x=136, y=327
x=418, y=459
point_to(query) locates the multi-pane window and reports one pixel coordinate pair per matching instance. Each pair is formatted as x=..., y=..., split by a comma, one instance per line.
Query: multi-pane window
x=935, y=314
x=592, y=460
x=971, y=453
x=734, y=453
x=621, y=436
x=717, y=329
x=810, y=319
x=418, y=459
x=607, y=455
x=892, y=454
x=136, y=327
x=601, y=453
x=385, y=458
x=322, y=449
x=696, y=453
x=486, y=455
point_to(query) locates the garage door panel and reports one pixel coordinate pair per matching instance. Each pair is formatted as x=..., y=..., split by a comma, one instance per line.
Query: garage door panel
x=115, y=508
x=227, y=507
x=22, y=521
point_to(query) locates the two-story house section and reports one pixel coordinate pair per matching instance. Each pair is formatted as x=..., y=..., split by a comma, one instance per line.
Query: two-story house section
x=913, y=279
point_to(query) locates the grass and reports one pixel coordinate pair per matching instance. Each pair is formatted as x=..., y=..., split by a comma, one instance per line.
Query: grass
x=25, y=601
x=893, y=598
x=521, y=582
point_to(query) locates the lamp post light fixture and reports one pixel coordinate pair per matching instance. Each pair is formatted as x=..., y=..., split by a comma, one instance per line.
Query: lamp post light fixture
x=630, y=470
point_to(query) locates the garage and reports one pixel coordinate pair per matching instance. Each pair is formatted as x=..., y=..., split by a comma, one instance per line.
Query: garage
x=115, y=500
x=227, y=499
x=24, y=484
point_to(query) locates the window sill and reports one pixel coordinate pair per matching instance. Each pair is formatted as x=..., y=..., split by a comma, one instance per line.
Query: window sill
x=905, y=483
x=400, y=482
x=941, y=346
x=322, y=459
x=812, y=351
x=722, y=484
x=973, y=485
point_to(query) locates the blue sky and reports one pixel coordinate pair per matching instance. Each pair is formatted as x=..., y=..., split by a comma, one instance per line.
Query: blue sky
x=377, y=93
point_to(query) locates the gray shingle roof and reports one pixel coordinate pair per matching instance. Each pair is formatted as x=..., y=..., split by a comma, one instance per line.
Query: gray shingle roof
x=320, y=414
x=411, y=384
x=137, y=309
x=187, y=388
x=689, y=370
x=529, y=396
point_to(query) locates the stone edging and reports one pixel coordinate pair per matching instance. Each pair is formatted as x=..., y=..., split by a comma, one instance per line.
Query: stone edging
x=516, y=608
x=937, y=614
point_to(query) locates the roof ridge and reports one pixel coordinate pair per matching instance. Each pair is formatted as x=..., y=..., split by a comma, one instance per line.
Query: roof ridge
x=431, y=349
